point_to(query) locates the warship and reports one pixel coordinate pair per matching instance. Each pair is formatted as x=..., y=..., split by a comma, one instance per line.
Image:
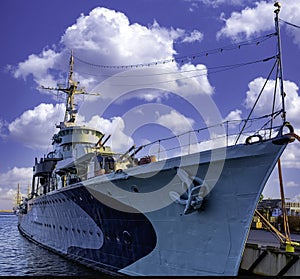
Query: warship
x=121, y=214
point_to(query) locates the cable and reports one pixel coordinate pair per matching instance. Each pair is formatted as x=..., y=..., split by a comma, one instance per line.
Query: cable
x=182, y=59
x=288, y=23
x=223, y=68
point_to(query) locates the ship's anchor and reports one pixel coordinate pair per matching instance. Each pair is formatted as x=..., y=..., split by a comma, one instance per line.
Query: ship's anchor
x=195, y=191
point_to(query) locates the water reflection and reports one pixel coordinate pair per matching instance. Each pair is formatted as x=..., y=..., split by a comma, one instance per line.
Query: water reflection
x=20, y=257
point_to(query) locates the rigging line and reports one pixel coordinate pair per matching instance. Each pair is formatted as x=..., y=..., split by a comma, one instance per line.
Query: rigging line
x=207, y=128
x=288, y=23
x=182, y=58
x=188, y=71
x=256, y=101
x=267, y=123
x=274, y=99
x=194, y=76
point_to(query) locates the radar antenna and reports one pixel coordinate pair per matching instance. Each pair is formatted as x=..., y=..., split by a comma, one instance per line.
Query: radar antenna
x=71, y=90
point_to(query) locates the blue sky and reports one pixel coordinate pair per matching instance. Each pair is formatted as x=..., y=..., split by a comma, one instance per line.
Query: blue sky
x=201, y=36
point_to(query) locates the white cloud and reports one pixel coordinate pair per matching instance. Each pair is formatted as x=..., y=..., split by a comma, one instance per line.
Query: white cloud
x=199, y=84
x=35, y=128
x=38, y=66
x=290, y=13
x=110, y=38
x=249, y=21
x=234, y=118
x=195, y=36
x=291, y=184
x=14, y=177
x=119, y=141
x=290, y=157
x=176, y=122
x=264, y=106
x=107, y=37
x=9, y=182
x=253, y=21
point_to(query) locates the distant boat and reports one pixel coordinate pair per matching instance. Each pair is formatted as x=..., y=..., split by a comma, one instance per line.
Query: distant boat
x=89, y=207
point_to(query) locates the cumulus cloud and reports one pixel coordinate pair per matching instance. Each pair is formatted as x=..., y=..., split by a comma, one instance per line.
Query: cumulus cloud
x=290, y=157
x=35, y=127
x=290, y=13
x=193, y=37
x=253, y=21
x=176, y=122
x=107, y=37
x=39, y=66
x=264, y=106
x=248, y=22
x=111, y=38
x=14, y=177
x=115, y=126
x=9, y=182
x=234, y=117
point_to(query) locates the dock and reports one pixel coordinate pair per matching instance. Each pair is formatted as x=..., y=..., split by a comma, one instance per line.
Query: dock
x=263, y=255
x=6, y=211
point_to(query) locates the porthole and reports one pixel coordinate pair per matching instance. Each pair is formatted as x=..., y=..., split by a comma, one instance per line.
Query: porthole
x=127, y=237
x=60, y=227
x=78, y=230
x=134, y=189
x=107, y=237
x=91, y=233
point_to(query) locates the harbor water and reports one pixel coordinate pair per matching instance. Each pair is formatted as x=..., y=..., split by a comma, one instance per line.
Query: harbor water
x=20, y=257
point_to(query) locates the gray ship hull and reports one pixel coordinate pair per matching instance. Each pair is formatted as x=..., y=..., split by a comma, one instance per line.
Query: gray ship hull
x=97, y=224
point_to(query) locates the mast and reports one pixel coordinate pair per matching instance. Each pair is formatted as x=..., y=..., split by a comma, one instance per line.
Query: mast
x=71, y=90
x=288, y=242
x=18, y=197
x=279, y=59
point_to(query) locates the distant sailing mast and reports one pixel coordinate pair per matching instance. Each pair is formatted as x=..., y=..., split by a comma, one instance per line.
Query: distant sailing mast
x=71, y=90
x=18, y=197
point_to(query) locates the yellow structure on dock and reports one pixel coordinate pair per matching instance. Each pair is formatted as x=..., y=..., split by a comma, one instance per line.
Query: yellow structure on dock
x=6, y=211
